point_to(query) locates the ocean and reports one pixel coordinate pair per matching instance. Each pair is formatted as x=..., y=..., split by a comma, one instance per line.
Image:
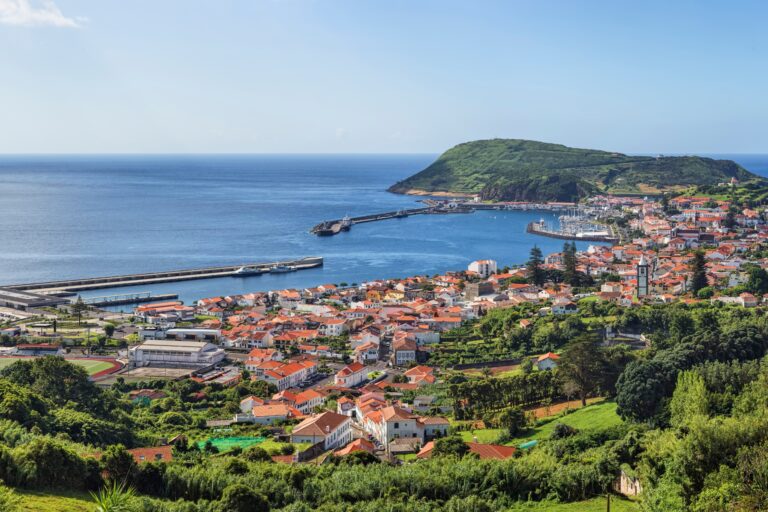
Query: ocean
x=80, y=216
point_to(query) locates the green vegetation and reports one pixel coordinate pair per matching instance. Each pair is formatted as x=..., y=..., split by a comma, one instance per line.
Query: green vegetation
x=90, y=366
x=512, y=169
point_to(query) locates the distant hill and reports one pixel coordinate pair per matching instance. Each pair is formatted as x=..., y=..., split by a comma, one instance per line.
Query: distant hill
x=523, y=170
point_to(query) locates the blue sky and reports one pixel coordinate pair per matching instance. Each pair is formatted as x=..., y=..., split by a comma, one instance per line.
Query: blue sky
x=301, y=76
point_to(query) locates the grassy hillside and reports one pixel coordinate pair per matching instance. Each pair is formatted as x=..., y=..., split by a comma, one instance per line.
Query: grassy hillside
x=512, y=169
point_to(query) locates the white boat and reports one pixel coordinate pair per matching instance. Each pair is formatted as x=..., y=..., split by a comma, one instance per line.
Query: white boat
x=282, y=269
x=248, y=271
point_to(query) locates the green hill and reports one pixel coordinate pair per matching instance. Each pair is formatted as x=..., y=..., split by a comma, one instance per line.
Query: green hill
x=521, y=170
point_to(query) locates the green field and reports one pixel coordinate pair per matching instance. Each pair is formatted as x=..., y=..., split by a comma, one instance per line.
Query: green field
x=224, y=444
x=593, y=505
x=91, y=366
x=77, y=502
x=600, y=415
x=33, y=501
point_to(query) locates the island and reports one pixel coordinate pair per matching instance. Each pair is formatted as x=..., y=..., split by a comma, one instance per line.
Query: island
x=526, y=170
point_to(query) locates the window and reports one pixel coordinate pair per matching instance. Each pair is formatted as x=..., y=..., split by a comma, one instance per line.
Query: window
x=397, y=425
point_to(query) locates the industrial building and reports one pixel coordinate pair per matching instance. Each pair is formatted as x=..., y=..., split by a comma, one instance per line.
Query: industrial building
x=175, y=354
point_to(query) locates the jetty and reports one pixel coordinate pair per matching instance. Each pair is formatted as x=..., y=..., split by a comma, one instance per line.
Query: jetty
x=336, y=226
x=167, y=276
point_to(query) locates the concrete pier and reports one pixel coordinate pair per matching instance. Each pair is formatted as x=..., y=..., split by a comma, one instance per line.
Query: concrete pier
x=94, y=283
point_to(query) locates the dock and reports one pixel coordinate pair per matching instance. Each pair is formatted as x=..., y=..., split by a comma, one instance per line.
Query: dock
x=128, y=298
x=168, y=276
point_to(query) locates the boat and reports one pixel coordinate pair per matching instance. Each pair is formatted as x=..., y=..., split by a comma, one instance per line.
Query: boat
x=248, y=271
x=282, y=269
x=326, y=229
x=401, y=213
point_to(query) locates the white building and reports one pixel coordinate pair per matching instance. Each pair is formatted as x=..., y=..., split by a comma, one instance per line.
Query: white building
x=335, y=430
x=483, y=268
x=351, y=375
x=191, y=354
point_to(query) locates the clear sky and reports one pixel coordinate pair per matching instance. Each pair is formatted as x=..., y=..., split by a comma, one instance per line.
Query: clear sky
x=302, y=76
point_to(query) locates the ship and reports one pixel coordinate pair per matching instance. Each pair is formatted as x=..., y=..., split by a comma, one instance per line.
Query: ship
x=401, y=213
x=282, y=269
x=248, y=271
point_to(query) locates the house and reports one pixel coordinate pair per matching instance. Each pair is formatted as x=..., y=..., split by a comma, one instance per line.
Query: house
x=269, y=414
x=308, y=400
x=483, y=451
x=331, y=428
x=358, y=445
x=564, y=307
x=351, y=375
x=421, y=375
x=152, y=454
x=547, y=361
x=367, y=352
x=403, y=352
x=290, y=374
x=248, y=403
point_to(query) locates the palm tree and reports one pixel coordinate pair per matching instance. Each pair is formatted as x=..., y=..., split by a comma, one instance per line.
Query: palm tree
x=114, y=498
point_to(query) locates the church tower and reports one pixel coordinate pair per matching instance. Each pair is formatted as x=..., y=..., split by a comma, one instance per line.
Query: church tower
x=642, y=277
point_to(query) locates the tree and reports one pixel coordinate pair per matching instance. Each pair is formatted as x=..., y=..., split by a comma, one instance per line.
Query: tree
x=241, y=498
x=513, y=420
x=581, y=365
x=78, y=308
x=536, y=274
x=9, y=501
x=758, y=280
x=119, y=464
x=689, y=400
x=451, y=446
x=698, y=272
x=109, y=330
x=570, y=275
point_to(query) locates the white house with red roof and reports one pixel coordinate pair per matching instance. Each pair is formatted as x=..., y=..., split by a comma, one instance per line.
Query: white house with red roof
x=332, y=429
x=547, y=361
x=351, y=375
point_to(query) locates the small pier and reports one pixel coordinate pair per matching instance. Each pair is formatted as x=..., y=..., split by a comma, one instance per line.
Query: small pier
x=128, y=298
x=168, y=276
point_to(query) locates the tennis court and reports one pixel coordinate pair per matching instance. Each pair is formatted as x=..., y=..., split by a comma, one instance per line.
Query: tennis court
x=224, y=444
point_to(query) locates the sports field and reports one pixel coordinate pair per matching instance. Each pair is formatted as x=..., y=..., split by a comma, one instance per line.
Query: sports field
x=92, y=366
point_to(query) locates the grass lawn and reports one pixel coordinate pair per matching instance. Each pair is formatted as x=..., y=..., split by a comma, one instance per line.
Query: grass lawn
x=593, y=505
x=484, y=436
x=601, y=415
x=62, y=501
x=597, y=415
x=91, y=366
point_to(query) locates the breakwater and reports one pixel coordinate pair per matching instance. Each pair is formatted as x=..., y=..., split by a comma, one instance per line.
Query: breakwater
x=93, y=283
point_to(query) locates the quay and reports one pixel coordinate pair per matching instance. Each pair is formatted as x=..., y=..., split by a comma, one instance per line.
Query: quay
x=94, y=283
x=536, y=228
x=128, y=298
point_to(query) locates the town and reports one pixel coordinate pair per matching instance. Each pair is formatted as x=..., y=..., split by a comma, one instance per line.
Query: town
x=365, y=367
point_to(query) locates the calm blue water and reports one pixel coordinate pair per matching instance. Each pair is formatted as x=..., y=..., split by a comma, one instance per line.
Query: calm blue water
x=77, y=216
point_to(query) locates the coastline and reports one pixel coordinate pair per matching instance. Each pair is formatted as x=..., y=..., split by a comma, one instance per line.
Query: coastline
x=422, y=192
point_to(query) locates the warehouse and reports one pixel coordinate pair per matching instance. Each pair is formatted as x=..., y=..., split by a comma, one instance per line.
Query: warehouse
x=175, y=354
x=23, y=300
